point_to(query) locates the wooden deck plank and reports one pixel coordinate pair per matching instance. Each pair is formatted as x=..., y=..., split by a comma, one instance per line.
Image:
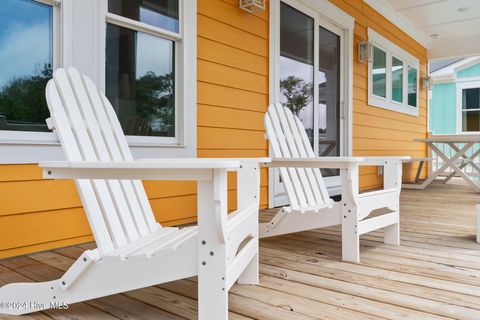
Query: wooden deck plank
x=434, y=274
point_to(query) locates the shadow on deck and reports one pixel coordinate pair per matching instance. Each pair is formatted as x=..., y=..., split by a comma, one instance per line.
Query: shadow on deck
x=434, y=274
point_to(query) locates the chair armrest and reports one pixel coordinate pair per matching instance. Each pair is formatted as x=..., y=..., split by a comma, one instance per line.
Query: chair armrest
x=382, y=160
x=332, y=162
x=162, y=169
x=320, y=162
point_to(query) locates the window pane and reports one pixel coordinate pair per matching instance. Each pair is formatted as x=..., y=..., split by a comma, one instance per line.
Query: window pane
x=471, y=121
x=296, y=64
x=26, y=58
x=471, y=98
x=159, y=13
x=329, y=97
x=379, y=75
x=397, y=80
x=140, y=81
x=412, y=86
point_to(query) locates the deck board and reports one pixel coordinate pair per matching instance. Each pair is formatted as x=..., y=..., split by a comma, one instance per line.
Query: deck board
x=434, y=274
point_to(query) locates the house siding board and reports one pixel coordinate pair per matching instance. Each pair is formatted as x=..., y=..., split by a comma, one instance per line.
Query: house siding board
x=232, y=95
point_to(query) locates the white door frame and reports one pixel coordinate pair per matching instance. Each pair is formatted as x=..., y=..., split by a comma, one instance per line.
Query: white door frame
x=333, y=19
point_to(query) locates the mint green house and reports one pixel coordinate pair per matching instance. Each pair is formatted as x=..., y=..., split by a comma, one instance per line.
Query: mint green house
x=454, y=104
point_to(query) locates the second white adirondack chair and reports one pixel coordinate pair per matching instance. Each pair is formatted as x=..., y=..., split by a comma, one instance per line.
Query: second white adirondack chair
x=310, y=205
x=134, y=251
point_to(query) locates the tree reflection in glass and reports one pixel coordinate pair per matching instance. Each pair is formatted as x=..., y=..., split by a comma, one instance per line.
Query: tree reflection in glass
x=140, y=81
x=26, y=58
x=296, y=64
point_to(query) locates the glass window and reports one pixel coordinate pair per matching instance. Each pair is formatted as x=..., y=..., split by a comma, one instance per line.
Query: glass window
x=159, y=13
x=140, y=66
x=412, y=86
x=296, y=64
x=397, y=80
x=471, y=109
x=471, y=98
x=328, y=96
x=26, y=55
x=379, y=72
x=470, y=121
x=140, y=81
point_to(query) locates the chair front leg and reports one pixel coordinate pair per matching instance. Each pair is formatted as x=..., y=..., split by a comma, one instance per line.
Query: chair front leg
x=350, y=214
x=212, y=249
x=248, y=192
x=392, y=178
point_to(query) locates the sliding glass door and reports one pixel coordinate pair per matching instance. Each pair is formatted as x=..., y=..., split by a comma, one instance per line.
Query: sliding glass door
x=309, y=82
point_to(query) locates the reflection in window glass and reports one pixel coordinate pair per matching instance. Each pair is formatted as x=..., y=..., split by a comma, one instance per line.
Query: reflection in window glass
x=140, y=81
x=470, y=121
x=379, y=72
x=412, y=86
x=397, y=80
x=24, y=72
x=159, y=13
x=296, y=64
x=329, y=97
x=471, y=98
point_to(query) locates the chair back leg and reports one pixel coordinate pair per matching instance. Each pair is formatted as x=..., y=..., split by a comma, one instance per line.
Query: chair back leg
x=392, y=234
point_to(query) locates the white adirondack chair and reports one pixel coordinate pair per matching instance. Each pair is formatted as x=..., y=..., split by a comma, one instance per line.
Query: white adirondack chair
x=134, y=251
x=310, y=205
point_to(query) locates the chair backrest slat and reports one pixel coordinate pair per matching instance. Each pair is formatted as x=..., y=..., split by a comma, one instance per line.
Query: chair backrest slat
x=137, y=184
x=87, y=194
x=294, y=151
x=312, y=181
x=119, y=151
x=311, y=154
x=287, y=182
x=288, y=139
x=100, y=144
x=285, y=152
x=85, y=145
x=118, y=210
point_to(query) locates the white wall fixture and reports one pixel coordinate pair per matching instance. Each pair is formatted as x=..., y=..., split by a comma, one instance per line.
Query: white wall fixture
x=364, y=52
x=427, y=82
x=251, y=5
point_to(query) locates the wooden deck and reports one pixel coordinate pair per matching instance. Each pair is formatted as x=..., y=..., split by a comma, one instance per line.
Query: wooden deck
x=434, y=274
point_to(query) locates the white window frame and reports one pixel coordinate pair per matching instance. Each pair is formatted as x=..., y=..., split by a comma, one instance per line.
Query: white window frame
x=460, y=86
x=392, y=50
x=79, y=41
